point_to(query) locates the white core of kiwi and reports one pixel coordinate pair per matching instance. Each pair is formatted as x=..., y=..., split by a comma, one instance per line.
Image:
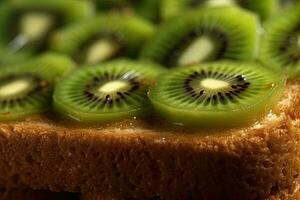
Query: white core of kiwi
x=213, y=84
x=220, y=2
x=35, y=25
x=200, y=50
x=101, y=50
x=14, y=87
x=113, y=86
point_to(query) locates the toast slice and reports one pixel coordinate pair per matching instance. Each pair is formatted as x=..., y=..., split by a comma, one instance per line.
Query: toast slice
x=28, y=194
x=138, y=159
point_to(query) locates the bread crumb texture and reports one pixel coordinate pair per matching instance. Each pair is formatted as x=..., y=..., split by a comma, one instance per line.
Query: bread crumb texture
x=151, y=161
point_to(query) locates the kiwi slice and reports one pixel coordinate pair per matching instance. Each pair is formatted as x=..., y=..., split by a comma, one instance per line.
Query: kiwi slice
x=205, y=35
x=103, y=38
x=28, y=23
x=281, y=43
x=26, y=89
x=172, y=8
x=106, y=92
x=220, y=94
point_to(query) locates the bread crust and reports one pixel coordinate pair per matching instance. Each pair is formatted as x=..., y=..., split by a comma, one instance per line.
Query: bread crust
x=146, y=160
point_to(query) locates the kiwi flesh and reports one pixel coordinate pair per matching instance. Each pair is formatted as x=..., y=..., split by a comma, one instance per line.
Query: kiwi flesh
x=265, y=9
x=9, y=58
x=288, y=3
x=26, y=88
x=111, y=4
x=103, y=38
x=205, y=35
x=281, y=43
x=29, y=23
x=106, y=92
x=149, y=9
x=172, y=8
x=220, y=94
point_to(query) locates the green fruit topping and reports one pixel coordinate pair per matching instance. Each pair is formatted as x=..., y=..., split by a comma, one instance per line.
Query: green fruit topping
x=172, y=8
x=107, y=92
x=26, y=89
x=103, y=38
x=224, y=94
x=205, y=35
x=29, y=23
x=281, y=43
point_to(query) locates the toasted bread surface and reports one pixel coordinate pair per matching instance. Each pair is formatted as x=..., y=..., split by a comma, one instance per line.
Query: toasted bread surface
x=282, y=195
x=148, y=159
